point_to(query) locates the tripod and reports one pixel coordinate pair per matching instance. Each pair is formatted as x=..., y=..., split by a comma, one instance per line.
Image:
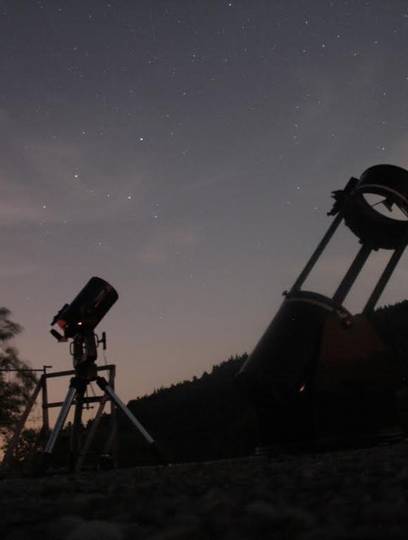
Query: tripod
x=84, y=352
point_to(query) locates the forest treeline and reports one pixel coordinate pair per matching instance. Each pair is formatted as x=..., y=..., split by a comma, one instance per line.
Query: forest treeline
x=209, y=417
x=205, y=418
x=391, y=323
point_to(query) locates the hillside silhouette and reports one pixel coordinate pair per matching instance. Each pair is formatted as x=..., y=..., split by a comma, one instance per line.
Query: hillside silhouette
x=202, y=419
x=391, y=323
x=209, y=417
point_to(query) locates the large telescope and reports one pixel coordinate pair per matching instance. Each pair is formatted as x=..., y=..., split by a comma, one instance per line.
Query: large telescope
x=318, y=368
x=78, y=321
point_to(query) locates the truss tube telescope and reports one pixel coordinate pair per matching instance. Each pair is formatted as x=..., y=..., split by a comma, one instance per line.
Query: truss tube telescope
x=283, y=375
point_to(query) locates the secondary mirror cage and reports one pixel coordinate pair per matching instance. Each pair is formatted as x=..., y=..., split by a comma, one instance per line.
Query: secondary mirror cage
x=376, y=209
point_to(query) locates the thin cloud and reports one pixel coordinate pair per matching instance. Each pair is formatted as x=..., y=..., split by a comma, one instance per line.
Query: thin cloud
x=22, y=269
x=166, y=244
x=59, y=192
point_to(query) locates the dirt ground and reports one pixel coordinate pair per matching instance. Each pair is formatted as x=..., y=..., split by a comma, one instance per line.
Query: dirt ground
x=359, y=494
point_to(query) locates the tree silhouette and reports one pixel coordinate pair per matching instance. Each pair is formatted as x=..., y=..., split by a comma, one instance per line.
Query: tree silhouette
x=15, y=386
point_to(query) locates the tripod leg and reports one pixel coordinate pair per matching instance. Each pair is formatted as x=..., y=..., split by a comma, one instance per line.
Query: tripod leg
x=84, y=449
x=119, y=403
x=59, y=424
x=111, y=445
x=76, y=434
x=45, y=416
x=20, y=426
x=102, y=383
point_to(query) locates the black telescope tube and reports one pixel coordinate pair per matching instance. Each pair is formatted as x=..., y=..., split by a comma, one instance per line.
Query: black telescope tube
x=88, y=308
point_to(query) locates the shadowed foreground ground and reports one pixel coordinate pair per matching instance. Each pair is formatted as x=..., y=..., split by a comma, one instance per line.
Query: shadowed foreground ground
x=355, y=494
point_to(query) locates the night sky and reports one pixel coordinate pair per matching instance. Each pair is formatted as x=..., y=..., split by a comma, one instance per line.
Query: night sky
x=185, y=151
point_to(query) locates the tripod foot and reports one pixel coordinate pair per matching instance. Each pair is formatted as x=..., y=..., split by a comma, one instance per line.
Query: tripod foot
x=158, y=453
x=40, y=464
x=105, y=463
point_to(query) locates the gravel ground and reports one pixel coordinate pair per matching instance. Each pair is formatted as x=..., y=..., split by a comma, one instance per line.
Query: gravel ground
x=359, y=494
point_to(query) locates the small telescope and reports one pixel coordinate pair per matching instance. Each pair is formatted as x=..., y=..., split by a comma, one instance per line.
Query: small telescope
x=78, y=321
x=85, y=312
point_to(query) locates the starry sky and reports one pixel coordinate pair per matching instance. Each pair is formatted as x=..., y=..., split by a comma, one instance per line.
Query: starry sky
x=185, y=152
